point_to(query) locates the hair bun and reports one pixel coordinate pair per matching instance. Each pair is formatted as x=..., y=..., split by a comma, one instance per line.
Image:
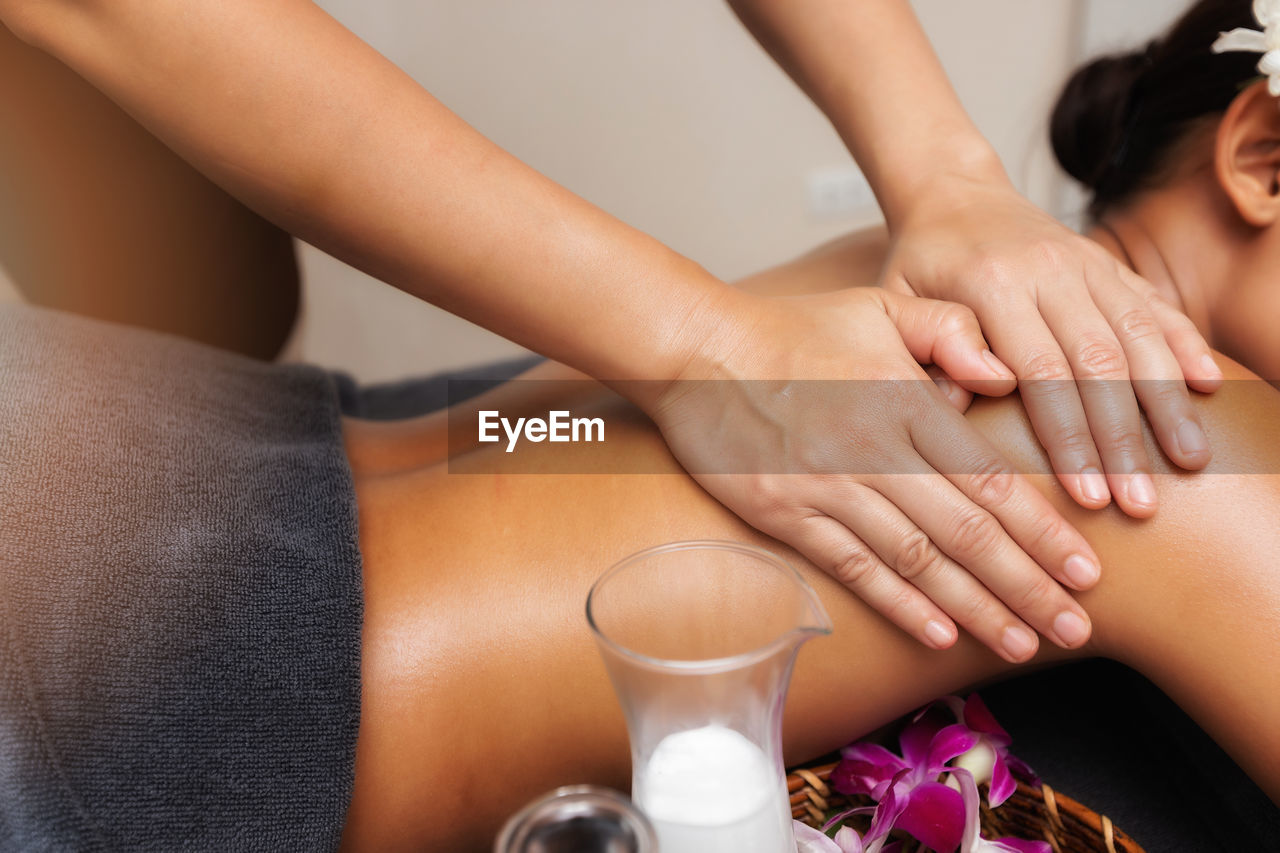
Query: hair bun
x=1089, y=120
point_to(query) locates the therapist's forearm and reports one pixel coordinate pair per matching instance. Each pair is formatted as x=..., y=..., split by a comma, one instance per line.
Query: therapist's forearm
x=293, y=114
x=869, y=66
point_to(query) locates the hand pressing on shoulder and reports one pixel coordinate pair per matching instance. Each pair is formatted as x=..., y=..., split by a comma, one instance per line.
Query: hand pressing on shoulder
x=812, y=419
x=1090, y=341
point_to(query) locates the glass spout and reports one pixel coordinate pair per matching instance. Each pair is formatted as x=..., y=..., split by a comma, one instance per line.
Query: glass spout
x=699, y=639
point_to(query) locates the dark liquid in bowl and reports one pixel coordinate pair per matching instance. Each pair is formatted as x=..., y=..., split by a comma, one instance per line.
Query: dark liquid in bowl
x=582, y=835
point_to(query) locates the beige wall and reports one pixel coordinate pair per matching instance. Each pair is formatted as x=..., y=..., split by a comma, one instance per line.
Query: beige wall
x=665, y=113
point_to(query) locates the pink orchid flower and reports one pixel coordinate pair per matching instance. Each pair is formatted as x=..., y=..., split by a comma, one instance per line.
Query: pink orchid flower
x=988, y=759
x=950, y=738
x=926, y=808
x=846, y=840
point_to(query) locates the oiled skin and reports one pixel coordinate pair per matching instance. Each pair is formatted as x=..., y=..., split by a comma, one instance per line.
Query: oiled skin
x=483, y=686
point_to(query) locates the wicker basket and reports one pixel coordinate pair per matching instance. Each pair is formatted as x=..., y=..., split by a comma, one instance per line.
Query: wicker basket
x=1031, y=813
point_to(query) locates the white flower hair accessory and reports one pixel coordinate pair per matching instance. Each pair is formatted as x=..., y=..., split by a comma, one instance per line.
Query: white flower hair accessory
x=1266, y=42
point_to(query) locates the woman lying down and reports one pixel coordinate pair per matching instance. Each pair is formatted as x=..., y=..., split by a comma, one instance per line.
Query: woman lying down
x=232, y=620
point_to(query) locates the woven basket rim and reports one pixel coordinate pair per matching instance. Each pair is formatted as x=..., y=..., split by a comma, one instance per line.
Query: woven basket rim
x=812, y=800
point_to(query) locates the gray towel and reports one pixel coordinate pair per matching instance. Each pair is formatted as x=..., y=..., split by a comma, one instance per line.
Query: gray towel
x=180, y=595
x=419, y=395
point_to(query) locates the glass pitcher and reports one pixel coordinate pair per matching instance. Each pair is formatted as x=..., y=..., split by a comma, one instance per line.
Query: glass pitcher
x=699, y=639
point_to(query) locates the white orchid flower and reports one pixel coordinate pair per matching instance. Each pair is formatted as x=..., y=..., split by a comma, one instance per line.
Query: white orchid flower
x=810, y=840
x=1266, y=42
x=1267, y=12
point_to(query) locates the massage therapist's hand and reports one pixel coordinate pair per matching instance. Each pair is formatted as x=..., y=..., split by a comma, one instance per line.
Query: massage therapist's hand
x=1054, y=307
x=1057, y=308
x=880, y=482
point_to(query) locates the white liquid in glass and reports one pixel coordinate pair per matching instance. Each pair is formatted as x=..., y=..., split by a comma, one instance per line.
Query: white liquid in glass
x=711, y=790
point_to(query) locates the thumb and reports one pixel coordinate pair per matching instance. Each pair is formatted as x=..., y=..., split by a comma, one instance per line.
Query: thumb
x=948, y=335
x=959, y=398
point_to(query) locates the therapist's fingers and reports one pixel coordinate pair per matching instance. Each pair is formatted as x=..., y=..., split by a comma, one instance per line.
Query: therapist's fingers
x=1102, y=379
x=1157, y=377
x=917, y=561
x=959, y=398
x=1193, y=353
x=1013, y=540
x=834, y=546
x=1047, y=385
x=948, y=335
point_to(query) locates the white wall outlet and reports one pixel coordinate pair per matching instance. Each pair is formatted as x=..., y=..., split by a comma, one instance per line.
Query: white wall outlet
x=839, y=191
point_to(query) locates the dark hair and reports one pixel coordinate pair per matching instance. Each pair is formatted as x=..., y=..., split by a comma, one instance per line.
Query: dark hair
x=1119, y=115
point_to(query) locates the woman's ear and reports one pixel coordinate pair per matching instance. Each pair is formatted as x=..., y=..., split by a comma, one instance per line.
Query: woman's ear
x=1247, y=155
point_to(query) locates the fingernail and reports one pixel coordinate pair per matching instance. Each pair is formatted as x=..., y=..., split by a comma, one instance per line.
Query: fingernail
x=996, y=365
x=1081, y=571
x=1094, y=486
x=1142, y=491
x=1210, y=367
x=1019, y=643
x=1191, y=439
x=939, y=634
x=945, y=385
x=1071, y=629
